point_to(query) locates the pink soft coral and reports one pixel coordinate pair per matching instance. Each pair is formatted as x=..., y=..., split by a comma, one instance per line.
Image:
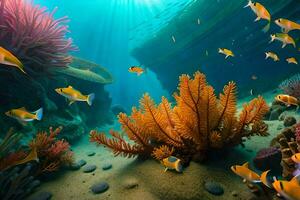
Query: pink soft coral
x=31, y=33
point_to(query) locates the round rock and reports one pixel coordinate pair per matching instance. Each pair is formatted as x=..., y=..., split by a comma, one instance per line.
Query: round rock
x=89, y=168
x=90, y=153
x=81, y=162
x=99, y=187
x=75, y=166
x=107, y=166
x=289, y=121
x=130, y=183
x=214, y=188
x=41, y=196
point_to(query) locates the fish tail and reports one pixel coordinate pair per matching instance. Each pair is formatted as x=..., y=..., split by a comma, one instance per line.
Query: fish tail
x=39, y=114
x=267, y=27
x=90, y=98
x=267, y=55
x=249, y=3
x=179, y=167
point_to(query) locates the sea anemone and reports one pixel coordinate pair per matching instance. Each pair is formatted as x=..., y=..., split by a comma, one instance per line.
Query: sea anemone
x=291, y=86
x=34, y=36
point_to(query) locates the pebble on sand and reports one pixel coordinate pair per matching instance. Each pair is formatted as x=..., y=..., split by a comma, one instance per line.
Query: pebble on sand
x=107, y=166
x=213, y=188
x=41, y=196
x=89, y=168
x=81, y=162
x=130, y=183
x=75, y=166
x=99, y=187
x=90, y=153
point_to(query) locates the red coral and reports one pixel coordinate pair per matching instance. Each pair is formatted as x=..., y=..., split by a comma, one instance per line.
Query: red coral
x=58, y=148
x=52, y=153
x=32, y=33
x=11, y=158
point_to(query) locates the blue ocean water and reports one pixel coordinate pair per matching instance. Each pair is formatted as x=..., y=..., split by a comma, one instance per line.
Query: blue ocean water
x=102, y=29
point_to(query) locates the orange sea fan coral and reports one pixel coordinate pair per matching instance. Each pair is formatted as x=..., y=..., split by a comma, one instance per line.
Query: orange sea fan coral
x=198, y=123
x=162, y=152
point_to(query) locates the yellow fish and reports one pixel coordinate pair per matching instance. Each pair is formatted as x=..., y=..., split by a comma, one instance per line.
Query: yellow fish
x=272, y=55
x=287, y=100
x=246, y=173
x=136, y=69
x=261, y=13
x=250, y=176
x=287, y=25
x=172, y=163
x=296, y=158
x=24, y=116
x=290, y=190
x=284, y=38
x=292, y=60
x=74, y=95
x=7, y=58
x=226, y=52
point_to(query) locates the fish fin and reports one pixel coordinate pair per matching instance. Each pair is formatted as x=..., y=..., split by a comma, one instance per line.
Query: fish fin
x=283, y=45
x=23, y=123
x=39, y=114
x=166, y=169
x=226, y=56
x=246, y=164
x=257, y=18
x=22, y=108
x=90, y=98
x=71, y=102
x=249, y=3
x=264, y=179
x=267, y=27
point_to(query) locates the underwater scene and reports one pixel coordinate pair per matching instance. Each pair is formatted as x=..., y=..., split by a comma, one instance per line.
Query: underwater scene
x=149, y=100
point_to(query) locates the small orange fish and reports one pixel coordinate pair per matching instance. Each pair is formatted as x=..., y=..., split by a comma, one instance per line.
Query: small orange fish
x=261, y=13
x=172, y=163
x=287, y=100
x=24, y=116
x=290, y=190
x=7, y=58
x=74, y=95
x=284, y=38
x=136, y=69
x=296, y=158
x=272, y=55
x=292, y=60
x=287, y=25
x=248, y=175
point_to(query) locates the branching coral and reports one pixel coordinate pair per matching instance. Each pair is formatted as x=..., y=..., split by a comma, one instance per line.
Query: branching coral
x=289, y=145
x=33, y=35
x=291, y=86
x=52, y=153
x=198, y=123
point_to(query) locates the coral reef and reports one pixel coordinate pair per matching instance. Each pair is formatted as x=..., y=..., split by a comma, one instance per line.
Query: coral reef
x=34, y=36
x=17, y=182
x=268, y=159
x=291, y=86
x=52, y=153
x=289, y=145
x=197, y=124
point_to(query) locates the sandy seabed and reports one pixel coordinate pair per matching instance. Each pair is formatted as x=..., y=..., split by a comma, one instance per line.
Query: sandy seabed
x=148, y=179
